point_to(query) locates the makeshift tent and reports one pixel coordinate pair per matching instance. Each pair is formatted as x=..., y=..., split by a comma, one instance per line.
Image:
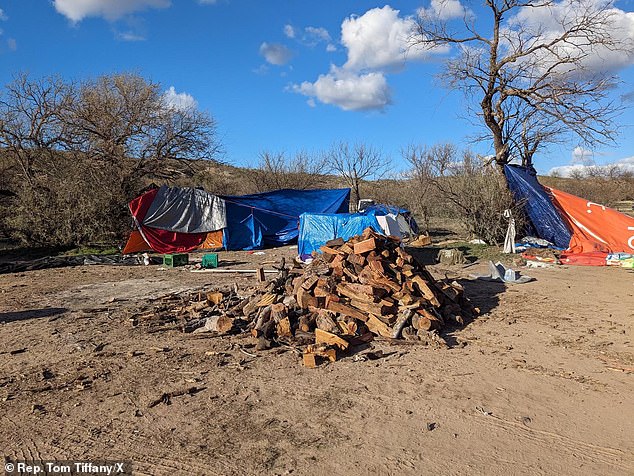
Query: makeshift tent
x=595, y=227
x=387, y=215
x=172, y=220
x=315, y=229
x=272, y=218
x=539, y=207
x=589, y=231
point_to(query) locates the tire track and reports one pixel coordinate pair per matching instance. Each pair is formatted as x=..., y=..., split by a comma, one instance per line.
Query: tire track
x=604, y=454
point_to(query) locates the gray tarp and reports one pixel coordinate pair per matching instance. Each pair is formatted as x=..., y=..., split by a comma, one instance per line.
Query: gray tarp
x=186, y=210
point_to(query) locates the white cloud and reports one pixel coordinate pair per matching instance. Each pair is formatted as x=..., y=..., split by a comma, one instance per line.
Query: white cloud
x=261, y=70
x=3, y=16
x=546, y=24
x=289, y=31
x=207, y=2
x=376, y=42
x=317, y=33
x=379, y=39
x=331, y=48
x=276, y=54
x=349, y=91
x=129, y=36
x=623, y=165
x=582, y=156
x=12, y=44
x=180, y=101
x=444, y=10
x=77, y=10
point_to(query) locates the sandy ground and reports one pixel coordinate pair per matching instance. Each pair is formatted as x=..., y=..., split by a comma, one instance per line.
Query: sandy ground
x=541, y=383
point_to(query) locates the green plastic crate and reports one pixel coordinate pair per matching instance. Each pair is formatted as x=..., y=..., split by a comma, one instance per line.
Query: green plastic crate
x=177, y=259
x=210, y=260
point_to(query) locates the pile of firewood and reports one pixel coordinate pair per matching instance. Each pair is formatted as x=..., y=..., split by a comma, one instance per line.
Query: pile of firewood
x=350, y=293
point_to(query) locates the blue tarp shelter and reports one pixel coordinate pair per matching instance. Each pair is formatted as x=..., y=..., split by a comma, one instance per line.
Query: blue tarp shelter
x=272, y=218
x=315, y=229
x=539, y=207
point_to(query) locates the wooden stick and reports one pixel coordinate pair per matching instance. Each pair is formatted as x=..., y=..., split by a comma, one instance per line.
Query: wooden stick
x=251, y=271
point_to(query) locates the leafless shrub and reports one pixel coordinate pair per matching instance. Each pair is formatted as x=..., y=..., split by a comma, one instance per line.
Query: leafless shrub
x=277, y=171
x=607, y=185
x=474, y=190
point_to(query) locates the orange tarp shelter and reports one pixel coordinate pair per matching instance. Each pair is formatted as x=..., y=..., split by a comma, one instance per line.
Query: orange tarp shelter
x=594, y=227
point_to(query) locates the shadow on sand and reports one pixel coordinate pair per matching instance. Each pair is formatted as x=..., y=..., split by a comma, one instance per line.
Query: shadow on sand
x=485, y=295
x=7, y=317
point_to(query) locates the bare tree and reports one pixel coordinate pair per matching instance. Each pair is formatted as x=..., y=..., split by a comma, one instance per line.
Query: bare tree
x=531, y=83
x=126, y=119
x=103, y=136
x=355, y=164
x=276, y=171
x=31, y=124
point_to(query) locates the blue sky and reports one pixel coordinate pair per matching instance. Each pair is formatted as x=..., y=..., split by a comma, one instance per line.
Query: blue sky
x=278, y=75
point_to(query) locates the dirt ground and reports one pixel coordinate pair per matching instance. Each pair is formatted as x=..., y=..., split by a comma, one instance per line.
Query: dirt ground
x=541, y=383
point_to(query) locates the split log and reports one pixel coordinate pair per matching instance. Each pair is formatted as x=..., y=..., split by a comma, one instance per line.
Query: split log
x=324, y=337
x=402, y=320
x=346, y=310
x=378, y=327
x=215, y=298
x=425, y=290
x=325, y=322
x=307, y=323
x=364, y=246
x=219, y=324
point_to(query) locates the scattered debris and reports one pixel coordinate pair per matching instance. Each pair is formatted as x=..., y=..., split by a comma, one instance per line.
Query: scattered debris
x=451, y=256
x=499, y=272
x=166, y=398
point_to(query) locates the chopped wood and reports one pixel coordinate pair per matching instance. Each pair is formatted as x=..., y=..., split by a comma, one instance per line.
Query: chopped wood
x=425, y=290
x=356, y=259
x=364, y=246
x=325, y=322
x=320, y=292
x=353, y=291
x=310, y=282
x=330, y=251
x=305, y=299
x=219, y=324
x=346, y=249
x=259, y=274
x=348, y=327
x=309, y=360
x=324, y=337
x=359, y=293
x=346, y=310
x=215, y=297
x=278, y=311
x=378, y=327
x=267, y=299
x=336, y=242
x=401, y=321
x=284, y=327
